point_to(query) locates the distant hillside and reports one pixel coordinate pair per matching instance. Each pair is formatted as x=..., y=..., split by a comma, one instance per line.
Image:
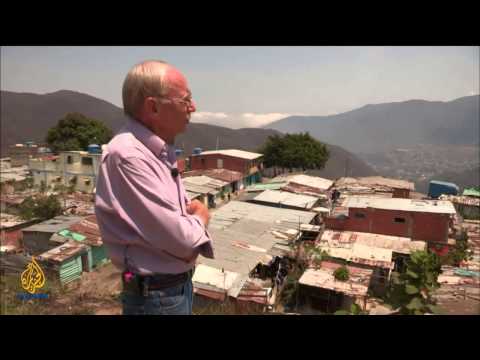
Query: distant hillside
x=376, y=128
x=29, y=116
x=205, y=137
x=464, y=179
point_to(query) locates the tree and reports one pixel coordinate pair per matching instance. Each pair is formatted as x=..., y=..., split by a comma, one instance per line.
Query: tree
x=41, y=206
x=412, y=290
x=75, y=132
x=460, y=252
x=294, y=151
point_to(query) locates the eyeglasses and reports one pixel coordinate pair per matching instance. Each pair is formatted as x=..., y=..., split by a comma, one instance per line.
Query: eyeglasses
x=187, y=102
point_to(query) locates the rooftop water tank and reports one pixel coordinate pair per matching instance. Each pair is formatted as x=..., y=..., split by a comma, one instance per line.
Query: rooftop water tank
x=94, y=149
x=437, y=188
x=197, y=151
x=178, y=152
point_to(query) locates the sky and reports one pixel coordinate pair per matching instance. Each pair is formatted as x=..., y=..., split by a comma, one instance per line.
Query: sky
x=252, y=86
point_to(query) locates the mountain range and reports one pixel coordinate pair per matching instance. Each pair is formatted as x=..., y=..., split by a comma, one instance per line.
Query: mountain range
x=27, y=116
x=383, y=127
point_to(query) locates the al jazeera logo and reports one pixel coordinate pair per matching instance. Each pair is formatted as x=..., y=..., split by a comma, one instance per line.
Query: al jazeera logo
x=32, y=279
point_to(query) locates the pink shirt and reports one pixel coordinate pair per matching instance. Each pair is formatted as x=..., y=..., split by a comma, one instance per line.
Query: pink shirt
x=140, y=204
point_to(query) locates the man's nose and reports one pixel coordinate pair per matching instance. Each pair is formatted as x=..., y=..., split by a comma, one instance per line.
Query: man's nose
x=192, y=107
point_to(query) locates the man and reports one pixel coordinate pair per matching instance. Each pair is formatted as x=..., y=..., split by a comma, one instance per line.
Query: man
x=150, y=228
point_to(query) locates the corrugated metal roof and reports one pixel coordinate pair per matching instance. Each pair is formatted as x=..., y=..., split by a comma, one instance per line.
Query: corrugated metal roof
x=218, y=174
x=63, y=252
x=88, y=227
x=199, y=189
x=216, y=278
x=464, y=200
x=54, y=225
x=356, y=285
x=265, y=186
x=287, y=198
x=472, y=192
x=192, y=195
x=374, y=182
x=242, y=232
x=403, y=245
x=203, y=184
x=203, y=180
x=311, y=181
x=427, y=206
x=361, y=254
x=234, y=153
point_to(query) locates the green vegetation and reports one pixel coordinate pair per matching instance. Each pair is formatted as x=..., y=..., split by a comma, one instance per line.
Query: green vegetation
x=294, y=151
x=412, y=291
x=355, y=309
x=341, y=273
x=75, y=132
x=460, y=252
x=41, y=207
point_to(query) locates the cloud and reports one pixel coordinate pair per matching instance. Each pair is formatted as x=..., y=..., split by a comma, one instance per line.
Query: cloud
x=237, y=121
x=258, y=120
x=208, y=115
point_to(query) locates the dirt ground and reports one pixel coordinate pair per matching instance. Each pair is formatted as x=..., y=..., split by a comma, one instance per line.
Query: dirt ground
x=97, y=292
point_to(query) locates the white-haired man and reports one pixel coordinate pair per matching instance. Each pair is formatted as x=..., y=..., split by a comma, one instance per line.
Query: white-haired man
x=150, y=228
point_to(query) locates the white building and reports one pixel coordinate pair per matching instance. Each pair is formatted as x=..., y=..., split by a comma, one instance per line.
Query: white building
x=78, y=168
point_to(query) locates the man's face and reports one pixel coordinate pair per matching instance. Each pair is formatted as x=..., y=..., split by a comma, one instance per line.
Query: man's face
x=174, y=111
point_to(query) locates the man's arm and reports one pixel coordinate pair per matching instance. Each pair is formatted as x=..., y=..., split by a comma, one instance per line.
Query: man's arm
x=159, y=222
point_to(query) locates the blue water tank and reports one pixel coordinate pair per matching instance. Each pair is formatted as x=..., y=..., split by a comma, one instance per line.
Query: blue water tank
x=94, y=149
x=197, y=151
x=437, y=188
x=178, y=152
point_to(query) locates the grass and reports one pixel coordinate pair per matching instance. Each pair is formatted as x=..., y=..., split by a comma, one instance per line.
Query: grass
x=11, y=304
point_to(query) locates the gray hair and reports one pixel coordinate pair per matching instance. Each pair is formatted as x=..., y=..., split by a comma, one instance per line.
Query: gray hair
x=144, y=79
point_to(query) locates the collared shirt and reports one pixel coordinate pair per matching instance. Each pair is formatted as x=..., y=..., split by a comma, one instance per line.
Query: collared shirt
x=141, y=207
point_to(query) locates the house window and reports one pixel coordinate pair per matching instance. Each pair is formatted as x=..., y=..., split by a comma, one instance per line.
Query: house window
x=399, y=220
x=202, y=161
x=359, y=215
x=87, y=161
x=69, y=159
x=87, y=181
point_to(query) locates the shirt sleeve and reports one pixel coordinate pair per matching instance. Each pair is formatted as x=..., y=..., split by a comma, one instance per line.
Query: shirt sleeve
x=144, y=204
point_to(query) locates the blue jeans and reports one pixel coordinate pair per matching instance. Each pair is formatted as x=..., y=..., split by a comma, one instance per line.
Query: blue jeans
x=176, y=300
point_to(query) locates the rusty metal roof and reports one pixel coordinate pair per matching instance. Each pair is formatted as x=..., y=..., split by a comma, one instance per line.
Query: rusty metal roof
x=63, y=252
x=218, y=174
x=356, y=285
x=402, y=245
x=378, y=182
x=89, y=228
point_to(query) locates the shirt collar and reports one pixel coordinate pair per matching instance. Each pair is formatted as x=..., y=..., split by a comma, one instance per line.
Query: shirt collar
x=153, y=142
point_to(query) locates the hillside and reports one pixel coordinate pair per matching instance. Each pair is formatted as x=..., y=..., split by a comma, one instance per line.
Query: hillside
x=381, y=127
x=29, y=116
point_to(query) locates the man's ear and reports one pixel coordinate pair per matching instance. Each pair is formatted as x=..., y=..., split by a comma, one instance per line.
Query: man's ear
x=151, y=105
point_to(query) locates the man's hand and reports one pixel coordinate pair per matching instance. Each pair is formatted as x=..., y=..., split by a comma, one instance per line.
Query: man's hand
x=197, y=208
